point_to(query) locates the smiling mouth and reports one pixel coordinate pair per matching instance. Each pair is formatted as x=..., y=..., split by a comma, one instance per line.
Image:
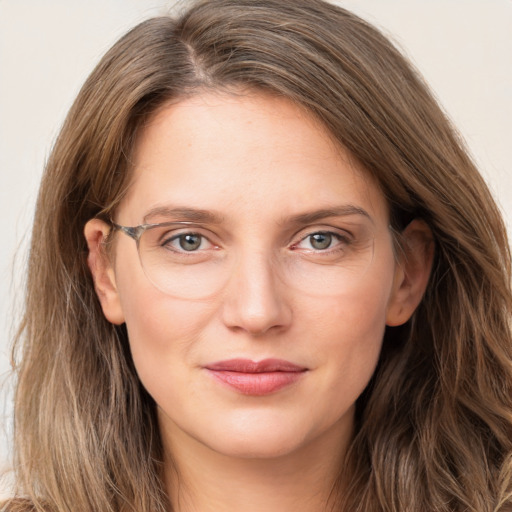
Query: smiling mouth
x=256, y=378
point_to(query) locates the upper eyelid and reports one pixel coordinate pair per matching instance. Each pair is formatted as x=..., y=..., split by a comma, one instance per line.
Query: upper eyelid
x=173, y=236
x=176, y=237
x=182, y=228
x=195, y=227
x=337, y=236
x=175, y=233
x=308, y=231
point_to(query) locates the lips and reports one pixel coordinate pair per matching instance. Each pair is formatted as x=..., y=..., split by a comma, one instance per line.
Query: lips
x=256, y=378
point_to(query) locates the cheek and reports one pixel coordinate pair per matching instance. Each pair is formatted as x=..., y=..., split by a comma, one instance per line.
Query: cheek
x=353, y=333
x=162, y=331
x=359, y=313
x=350, y=335
x=165, y=337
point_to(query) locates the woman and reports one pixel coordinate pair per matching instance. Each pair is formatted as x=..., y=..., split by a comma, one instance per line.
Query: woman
x=314, y=311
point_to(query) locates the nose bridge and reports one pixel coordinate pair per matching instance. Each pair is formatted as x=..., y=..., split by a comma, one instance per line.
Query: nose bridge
x=256, y=300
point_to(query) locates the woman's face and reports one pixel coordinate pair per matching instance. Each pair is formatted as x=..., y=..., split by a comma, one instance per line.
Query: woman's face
x=264, y=316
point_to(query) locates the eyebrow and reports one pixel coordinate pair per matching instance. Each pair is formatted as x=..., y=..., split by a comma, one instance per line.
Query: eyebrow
x=184, y=214
x=316, y=215
x=209, y=217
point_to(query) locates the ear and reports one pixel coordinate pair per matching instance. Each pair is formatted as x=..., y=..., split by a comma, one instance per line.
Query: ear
x=100, y=265
x=412, y=272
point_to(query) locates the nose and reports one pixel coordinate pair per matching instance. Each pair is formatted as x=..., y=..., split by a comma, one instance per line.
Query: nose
x=255, y=300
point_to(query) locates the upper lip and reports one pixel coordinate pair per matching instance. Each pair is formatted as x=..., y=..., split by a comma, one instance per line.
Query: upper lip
x=248, y=366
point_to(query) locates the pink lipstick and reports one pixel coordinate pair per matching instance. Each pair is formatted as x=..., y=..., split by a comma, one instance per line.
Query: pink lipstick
x=256, y=378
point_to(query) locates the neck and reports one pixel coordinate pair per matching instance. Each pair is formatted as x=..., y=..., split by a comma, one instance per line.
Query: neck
x=199, y=479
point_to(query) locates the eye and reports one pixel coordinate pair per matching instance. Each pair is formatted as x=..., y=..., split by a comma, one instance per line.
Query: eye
x=321, y=241
x=188, y=242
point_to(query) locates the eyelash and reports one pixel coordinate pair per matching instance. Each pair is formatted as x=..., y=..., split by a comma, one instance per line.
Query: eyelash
x=181, y=236
x=342, y=241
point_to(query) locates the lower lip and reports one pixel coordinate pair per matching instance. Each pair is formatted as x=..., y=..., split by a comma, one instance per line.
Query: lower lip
x=257, y=384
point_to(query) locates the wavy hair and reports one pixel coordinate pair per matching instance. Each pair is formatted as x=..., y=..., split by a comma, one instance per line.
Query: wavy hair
x=434, y=426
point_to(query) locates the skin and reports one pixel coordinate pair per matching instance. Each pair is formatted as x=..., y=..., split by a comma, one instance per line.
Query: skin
x=256, y=161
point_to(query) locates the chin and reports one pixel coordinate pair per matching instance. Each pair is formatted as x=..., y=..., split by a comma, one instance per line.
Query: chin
x=261, y=444
x=264, y=433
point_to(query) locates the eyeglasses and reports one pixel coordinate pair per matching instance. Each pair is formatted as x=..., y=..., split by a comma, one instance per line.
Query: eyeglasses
x=188, y=261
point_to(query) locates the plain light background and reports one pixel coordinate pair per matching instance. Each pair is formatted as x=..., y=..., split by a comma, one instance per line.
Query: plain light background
x=48, y=47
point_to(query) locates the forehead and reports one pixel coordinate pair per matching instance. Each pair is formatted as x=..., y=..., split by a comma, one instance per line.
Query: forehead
x=242, y=154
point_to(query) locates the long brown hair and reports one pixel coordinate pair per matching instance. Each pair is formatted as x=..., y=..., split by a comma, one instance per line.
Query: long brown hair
x=434, y=427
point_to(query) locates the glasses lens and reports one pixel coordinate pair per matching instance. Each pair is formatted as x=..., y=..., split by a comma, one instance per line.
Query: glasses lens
x=185, y=264
x=181, y=262
x=331, y=267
